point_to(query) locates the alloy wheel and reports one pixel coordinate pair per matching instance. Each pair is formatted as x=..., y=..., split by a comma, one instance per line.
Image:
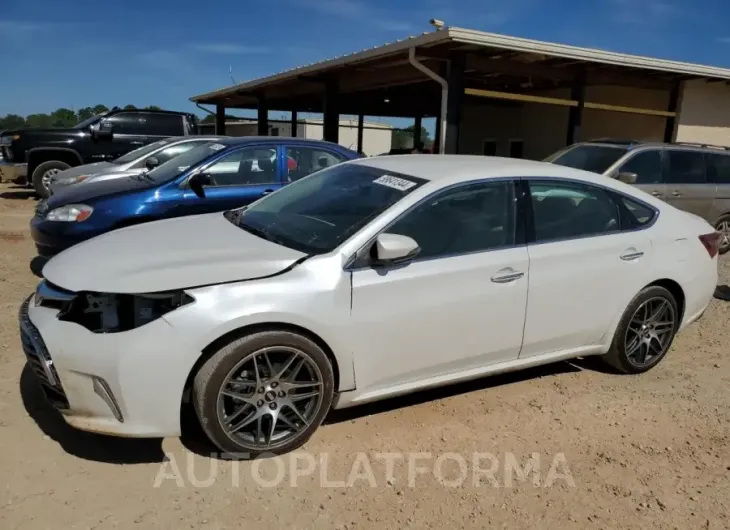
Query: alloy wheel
x=723, y=228
x=269, y=398
x=650, y=331
x=47, y=176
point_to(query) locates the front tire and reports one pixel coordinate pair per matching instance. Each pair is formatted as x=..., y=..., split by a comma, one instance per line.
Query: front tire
x=43, y=174
x=265, y=393
x=645, y=333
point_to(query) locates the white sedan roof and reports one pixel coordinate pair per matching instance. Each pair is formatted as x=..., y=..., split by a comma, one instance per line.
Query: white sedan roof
x=463, y=168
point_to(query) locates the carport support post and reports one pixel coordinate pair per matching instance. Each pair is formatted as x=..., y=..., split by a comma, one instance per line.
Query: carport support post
x=263, y=117
x=220, y=120
x=294, y=123
x=454, y=102
x=417, y=132
x=331, y=121
x=360, y=131
x=672, y=107
x=575, y=114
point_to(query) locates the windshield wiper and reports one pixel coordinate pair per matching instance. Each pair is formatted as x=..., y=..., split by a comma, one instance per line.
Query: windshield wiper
x=263, y=234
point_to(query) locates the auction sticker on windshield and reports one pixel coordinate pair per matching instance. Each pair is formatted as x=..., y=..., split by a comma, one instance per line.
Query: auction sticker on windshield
x=396, y=183
x=217, y=147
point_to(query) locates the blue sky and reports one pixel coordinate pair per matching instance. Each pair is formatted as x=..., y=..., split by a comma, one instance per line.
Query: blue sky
x=77, y=53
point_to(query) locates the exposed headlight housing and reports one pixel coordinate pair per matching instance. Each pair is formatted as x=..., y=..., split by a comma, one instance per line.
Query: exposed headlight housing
x=71, y=213
x=116, y=313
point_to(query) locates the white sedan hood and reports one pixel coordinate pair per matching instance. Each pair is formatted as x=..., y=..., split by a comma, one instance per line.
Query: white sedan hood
x=166, y=255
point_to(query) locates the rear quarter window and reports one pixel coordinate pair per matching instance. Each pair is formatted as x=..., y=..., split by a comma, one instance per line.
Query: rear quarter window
x=635, y=214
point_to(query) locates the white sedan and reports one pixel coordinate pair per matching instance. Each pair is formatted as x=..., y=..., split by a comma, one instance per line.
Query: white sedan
x=366, y=280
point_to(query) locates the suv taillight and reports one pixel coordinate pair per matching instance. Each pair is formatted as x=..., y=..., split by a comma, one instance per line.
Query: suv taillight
x=711, y=242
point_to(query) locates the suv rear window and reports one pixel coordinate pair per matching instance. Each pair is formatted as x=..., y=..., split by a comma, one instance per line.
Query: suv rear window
x=594, y=158
x=718, y=168
x=684, y=167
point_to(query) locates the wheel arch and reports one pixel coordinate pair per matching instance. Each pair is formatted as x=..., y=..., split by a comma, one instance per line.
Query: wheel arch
x=670, y=285
x=677, y=292
x=220, y=342
x=39, y=155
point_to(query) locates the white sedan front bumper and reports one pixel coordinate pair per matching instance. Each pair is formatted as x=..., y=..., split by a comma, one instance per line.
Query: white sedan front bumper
x=124, y=384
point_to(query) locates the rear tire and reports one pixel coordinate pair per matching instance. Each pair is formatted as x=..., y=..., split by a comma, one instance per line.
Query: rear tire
x=645, y=332
x=42, y=174
x=268, y=378
x=722, y=225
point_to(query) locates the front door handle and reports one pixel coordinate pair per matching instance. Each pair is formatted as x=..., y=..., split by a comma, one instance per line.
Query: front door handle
x=656, y=193
x=507, y=277
x=675, y=193
x=266, y=192
x=631, y=255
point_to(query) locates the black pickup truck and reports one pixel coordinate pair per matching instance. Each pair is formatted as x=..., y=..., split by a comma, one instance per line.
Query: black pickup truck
x=37, y=154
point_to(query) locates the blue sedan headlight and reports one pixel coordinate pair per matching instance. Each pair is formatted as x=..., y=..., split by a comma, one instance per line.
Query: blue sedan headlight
x=71, y=213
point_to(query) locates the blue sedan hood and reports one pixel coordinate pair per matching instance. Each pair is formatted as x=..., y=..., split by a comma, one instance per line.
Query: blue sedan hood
x=96, y=190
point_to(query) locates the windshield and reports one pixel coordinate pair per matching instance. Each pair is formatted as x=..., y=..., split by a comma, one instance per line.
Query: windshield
x=595, y=158
x=139, y=152
x=179, y=164
x=88, y=121
x=319, y=212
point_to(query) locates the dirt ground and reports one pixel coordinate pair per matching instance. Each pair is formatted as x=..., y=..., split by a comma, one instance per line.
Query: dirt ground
x=611, y=451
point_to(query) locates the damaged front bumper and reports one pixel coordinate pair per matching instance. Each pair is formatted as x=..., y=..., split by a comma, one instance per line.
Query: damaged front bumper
x=127, y=383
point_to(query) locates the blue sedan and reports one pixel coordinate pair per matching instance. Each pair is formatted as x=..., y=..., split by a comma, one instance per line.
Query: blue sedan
x=219, y=175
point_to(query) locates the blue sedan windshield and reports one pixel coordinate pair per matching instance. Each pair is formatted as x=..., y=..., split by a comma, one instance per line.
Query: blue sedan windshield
x=179, y=164
x=319, y=212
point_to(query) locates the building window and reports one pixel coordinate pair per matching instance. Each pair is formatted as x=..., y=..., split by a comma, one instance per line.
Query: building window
x=489, y=148
x=274, y=131
x=516, y=148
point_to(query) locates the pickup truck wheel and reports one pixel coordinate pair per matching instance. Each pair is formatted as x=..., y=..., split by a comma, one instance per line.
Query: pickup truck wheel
x=42, y=175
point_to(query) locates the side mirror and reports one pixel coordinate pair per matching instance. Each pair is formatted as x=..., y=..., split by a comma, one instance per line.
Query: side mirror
x=151, y=163
x=391, y=249
x=628, y=178
x=198, y=182
x=102, y=130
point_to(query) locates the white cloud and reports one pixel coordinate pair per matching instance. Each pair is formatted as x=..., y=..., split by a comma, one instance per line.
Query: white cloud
x=230, y=49
x=723, y=40
x=18, y=28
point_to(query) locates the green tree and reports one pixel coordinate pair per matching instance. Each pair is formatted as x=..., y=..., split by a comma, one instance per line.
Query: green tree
x=153, y=107
x=130, y=107
x=63, y=118
x=84, y=113
x=41, y=121
x=404, y=138
x=100, y=108
x=12, y=121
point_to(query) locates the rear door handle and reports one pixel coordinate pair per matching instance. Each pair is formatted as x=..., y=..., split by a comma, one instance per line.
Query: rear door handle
x=266, y=192
x=631, y=256
x=507, y=277
x=656, y=193
x=675, y=193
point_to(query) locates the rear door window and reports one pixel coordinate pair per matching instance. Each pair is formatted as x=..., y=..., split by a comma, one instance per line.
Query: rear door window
x=158, y=124
x=718, y=168
x=684, y=167
x=571, y=210
x=647, y=165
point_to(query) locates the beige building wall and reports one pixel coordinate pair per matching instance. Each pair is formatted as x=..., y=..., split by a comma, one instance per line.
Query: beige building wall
x=544, y=127
x=377, y=137
x=704, y=113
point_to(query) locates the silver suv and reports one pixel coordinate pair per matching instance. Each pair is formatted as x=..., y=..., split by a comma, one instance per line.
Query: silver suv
x=691, y=177
x=135, y=162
